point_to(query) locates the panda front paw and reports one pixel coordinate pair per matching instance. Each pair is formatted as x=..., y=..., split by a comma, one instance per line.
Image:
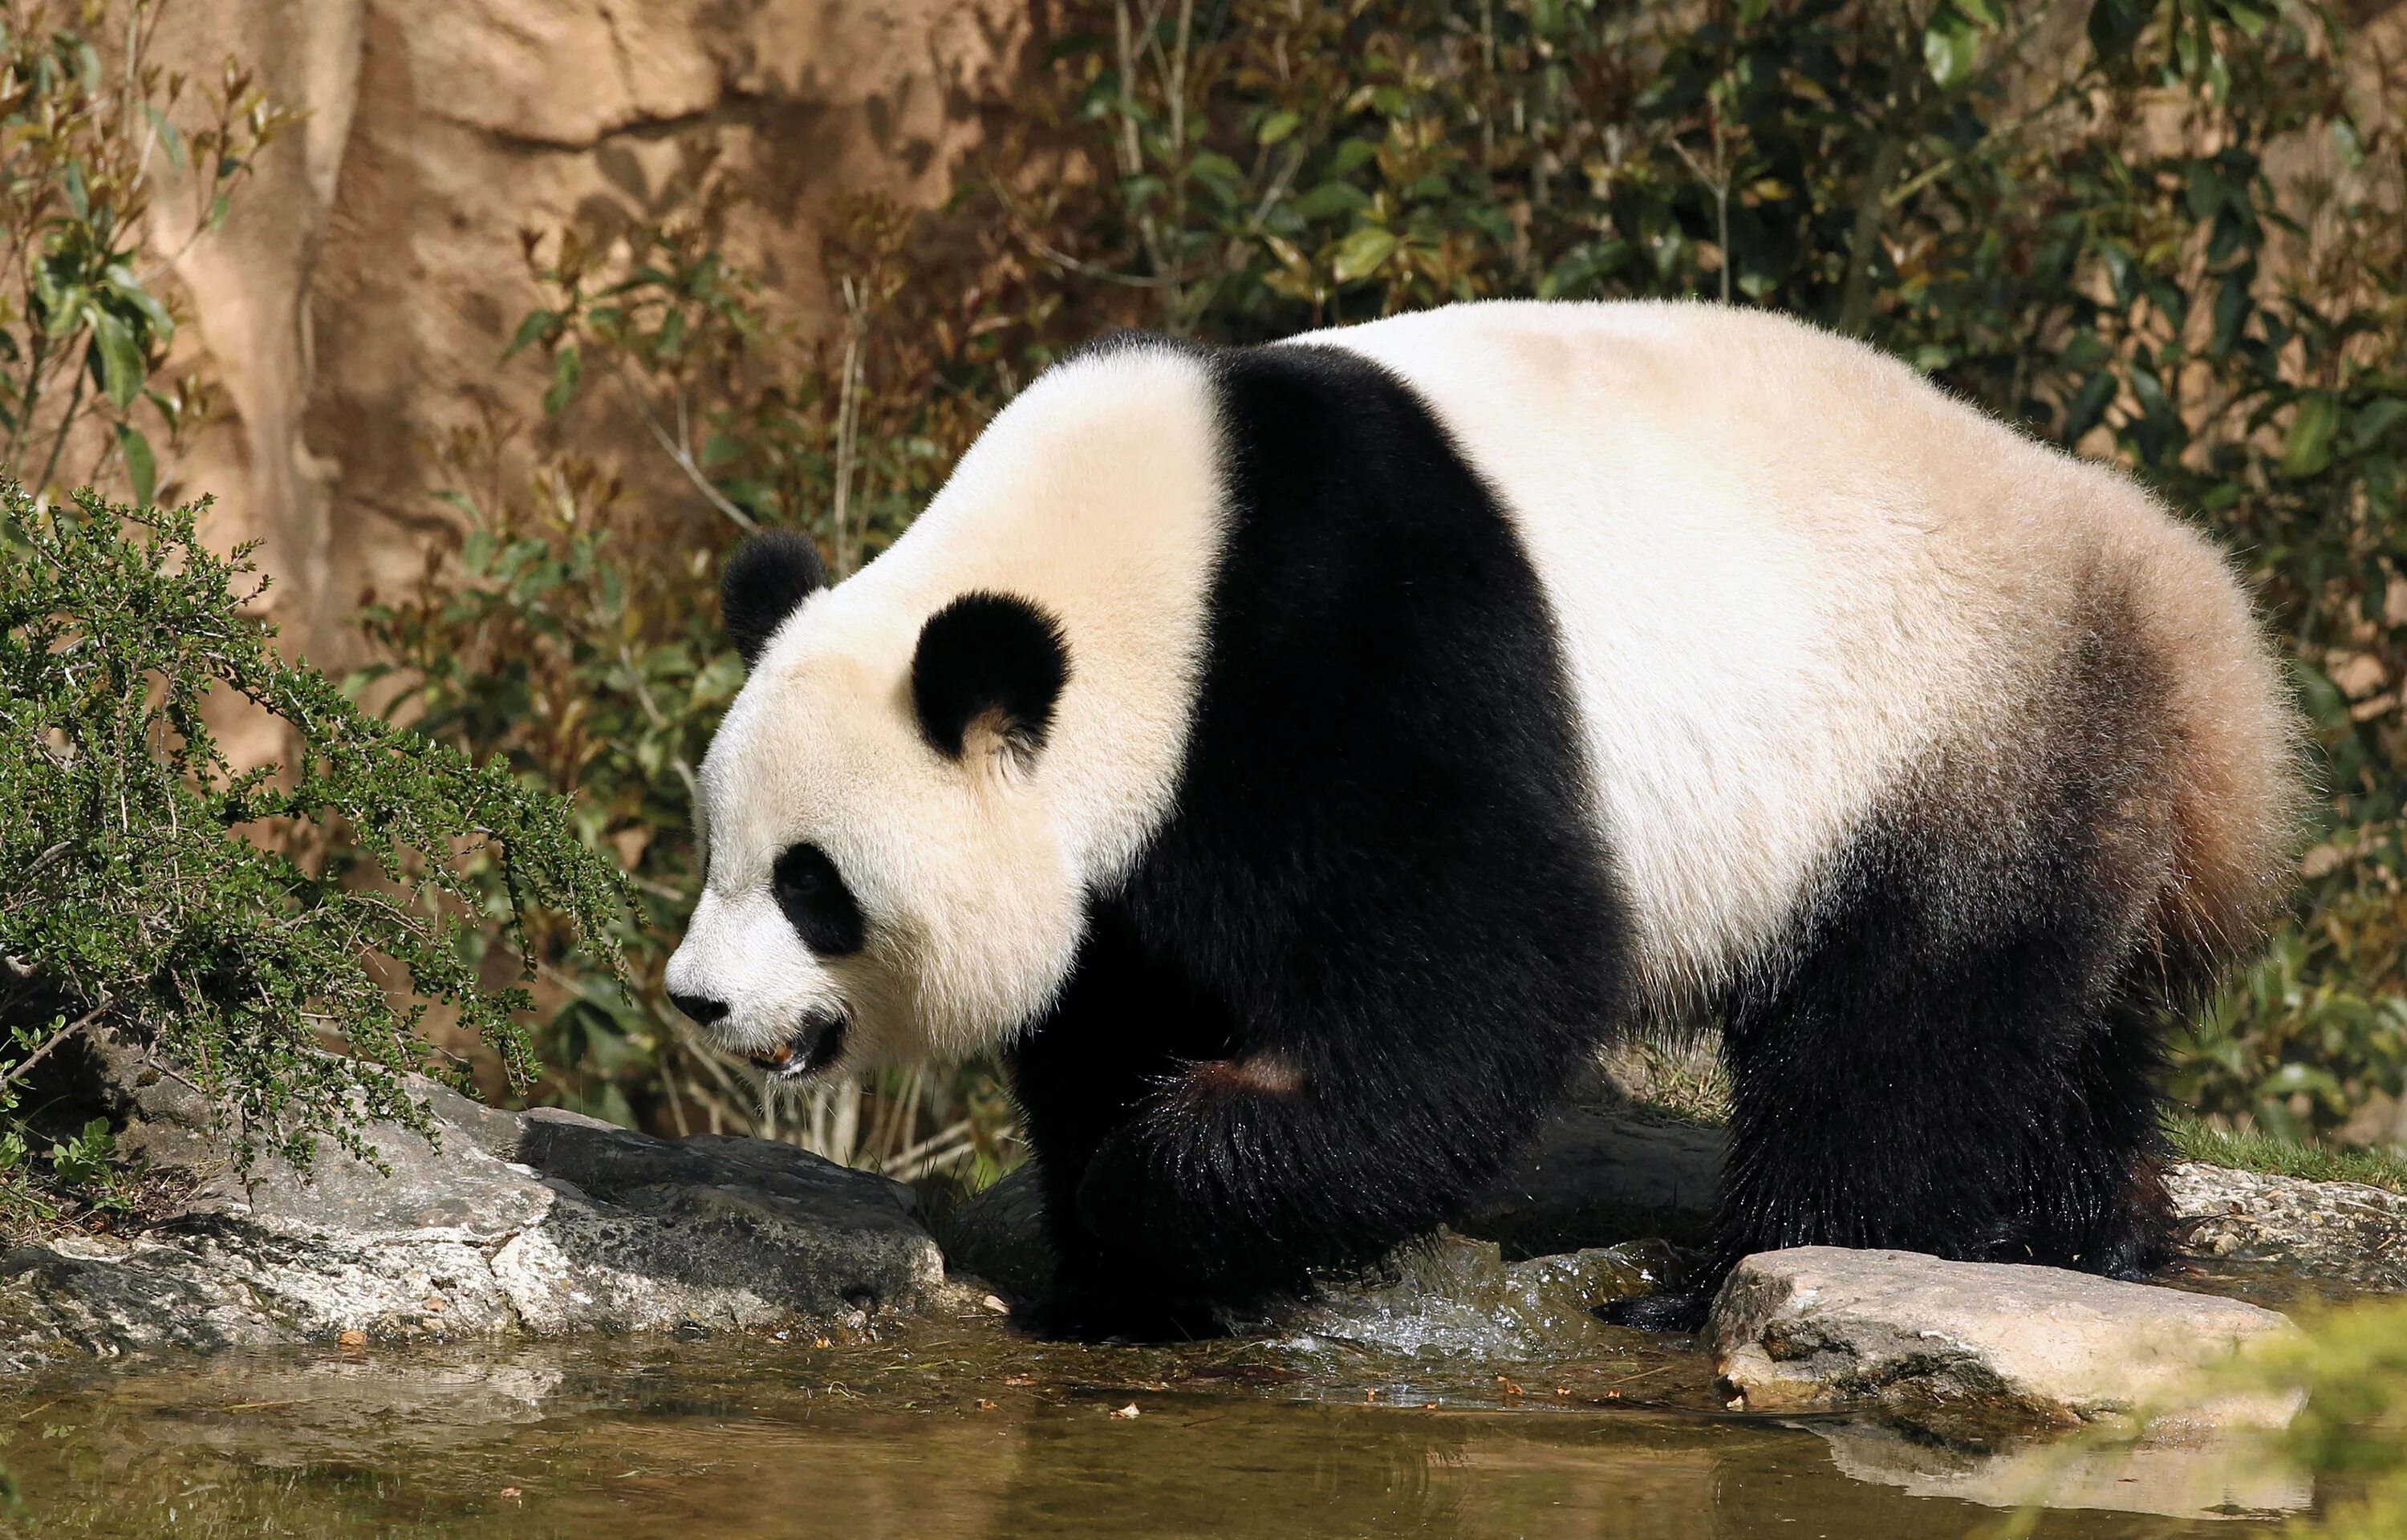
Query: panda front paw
x=1684, y=1311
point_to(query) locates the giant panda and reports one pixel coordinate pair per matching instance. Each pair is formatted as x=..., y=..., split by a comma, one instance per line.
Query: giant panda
x=1295, y=760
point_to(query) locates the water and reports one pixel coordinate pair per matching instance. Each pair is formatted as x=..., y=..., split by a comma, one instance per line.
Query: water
x=961, y=1429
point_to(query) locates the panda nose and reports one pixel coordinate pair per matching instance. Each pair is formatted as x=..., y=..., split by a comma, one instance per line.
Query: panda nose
x=702, y=1007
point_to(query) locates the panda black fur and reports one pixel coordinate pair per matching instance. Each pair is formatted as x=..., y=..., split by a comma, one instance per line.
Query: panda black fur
x=1298, y=760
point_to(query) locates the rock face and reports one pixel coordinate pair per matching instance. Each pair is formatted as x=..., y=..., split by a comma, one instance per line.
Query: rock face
x=1952, y=1347
x=359, y=298
x=543, y=1224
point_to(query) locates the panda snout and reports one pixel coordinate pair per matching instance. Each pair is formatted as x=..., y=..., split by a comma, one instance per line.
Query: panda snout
x=815, y=1044
x=699, y=1009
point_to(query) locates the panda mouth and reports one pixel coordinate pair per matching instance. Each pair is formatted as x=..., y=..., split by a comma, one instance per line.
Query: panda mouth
x=817, y=1043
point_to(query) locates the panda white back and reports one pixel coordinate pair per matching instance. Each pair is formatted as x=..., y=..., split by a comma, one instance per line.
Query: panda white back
x=1787, y=570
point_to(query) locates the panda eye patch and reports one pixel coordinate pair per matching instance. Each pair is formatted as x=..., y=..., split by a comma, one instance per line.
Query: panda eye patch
x=815, y=900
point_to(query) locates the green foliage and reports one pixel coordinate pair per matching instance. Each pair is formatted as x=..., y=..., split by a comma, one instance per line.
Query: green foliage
x=156, y=892
x=2086, y=233
x=89, y=127
x=2089, y=230
x=2353, y=1368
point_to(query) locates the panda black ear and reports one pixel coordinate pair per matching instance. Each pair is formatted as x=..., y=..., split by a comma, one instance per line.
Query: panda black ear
x=763, y=583
x=989, y=664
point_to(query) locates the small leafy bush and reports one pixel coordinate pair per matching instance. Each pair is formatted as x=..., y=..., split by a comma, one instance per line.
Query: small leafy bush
x=154, y=891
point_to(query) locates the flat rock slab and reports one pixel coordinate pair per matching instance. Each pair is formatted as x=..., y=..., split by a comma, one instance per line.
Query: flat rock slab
x=1960, y=1348
x=541, y=1224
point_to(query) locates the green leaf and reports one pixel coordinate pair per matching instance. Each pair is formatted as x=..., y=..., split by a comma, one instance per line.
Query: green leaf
x=2251, y=18
x=1329, y=201
x=171, y=139
x=2088, y=405
x=141, y=465
x=121, y=281
x=2308, y=449
x=1951, y=46
x=2378, y=419
x=2232, y=305
x=122, y=368
x=672, y=335
x=538, y=325
x=1277, y=126
x=2115, y=25
x=567, y=368
x=1215, y=170
x=1358, y=255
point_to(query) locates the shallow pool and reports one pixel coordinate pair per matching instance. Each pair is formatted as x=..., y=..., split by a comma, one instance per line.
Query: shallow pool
x=962, y=1429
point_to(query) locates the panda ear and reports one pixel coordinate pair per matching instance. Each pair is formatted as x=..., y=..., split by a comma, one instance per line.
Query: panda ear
x=764, y=581
x=989, y=670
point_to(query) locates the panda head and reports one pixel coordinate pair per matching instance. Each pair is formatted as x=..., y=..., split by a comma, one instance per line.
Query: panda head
x=884, y=878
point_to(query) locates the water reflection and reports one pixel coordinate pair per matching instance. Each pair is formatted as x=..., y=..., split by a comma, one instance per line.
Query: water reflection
x=978, y=1436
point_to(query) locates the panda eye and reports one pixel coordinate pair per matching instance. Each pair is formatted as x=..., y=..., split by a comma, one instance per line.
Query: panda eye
x=815, y=900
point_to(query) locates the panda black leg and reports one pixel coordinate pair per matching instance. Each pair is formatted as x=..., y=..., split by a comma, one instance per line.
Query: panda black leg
x=1082, y=1076
x=1956, y=1063
x=2103, y=1208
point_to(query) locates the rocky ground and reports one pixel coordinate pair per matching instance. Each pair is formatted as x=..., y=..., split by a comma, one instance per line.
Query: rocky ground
x=543, y=1224
x=547, y=1224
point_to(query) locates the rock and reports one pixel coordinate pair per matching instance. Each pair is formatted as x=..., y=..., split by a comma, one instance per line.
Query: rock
x=1961, y=1348
x=2335, y=1231
x=998, y=1236
x=1589, y=1179
x=1594, y=1177
x=545, y=1224
x=1455, y=1298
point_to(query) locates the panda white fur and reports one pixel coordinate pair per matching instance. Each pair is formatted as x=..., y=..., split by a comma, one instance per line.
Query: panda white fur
x=1296, y=758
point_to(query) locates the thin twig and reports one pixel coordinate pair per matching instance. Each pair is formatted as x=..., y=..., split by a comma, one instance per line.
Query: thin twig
x=1062, y=259
x=682, y=455
x=61, y=1035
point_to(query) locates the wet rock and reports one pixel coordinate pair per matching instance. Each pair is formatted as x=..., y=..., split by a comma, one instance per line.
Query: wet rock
x=1596, y=1177
x=1457, y=1298
x=998, y=1236
x=2336, y=1231
x=544, y=1224
x=1589, y=1179
x=1962, y=1350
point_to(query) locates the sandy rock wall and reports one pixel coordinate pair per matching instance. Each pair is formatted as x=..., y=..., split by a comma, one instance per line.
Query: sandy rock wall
x=361, y=296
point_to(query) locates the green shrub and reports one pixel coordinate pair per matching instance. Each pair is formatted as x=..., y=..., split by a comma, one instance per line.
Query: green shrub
x=155, y=893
